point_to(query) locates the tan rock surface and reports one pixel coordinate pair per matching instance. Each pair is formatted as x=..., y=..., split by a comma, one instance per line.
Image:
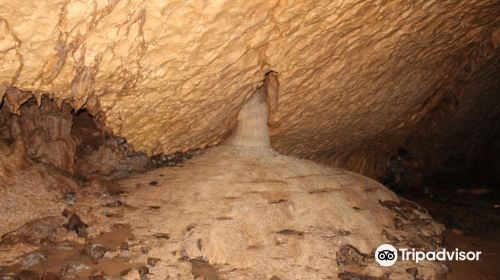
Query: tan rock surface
x=257, y=214
x=252, y=213
x=171, y=75
x=243, y=211
x=28, y=191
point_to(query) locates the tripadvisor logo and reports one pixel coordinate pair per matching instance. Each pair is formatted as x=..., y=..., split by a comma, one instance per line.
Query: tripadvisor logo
x=387, y=255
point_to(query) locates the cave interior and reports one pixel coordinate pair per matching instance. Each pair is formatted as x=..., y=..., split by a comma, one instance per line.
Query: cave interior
x=177, y=184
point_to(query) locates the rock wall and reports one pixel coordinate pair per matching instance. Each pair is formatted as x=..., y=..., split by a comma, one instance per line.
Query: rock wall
x=458, y=136
x=237, y=211
x=46, y=154
x=355, y=76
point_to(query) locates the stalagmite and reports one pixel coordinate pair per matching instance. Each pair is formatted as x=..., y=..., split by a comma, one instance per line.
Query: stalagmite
x=236, y=211
x=251, y=129
x=251, y=213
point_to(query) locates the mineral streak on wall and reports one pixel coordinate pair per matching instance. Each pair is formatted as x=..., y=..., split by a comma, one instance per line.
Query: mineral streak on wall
x=356, y=77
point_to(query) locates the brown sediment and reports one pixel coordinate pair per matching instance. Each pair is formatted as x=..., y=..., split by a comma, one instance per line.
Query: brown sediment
x=55, y=257
x=204, y=270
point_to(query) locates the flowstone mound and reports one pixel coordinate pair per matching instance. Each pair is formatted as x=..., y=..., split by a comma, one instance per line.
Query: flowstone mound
x=248, y=212
x=236, y=211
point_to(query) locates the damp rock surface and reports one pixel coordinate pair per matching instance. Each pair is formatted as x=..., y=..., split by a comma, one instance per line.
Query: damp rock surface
x=171, y=75
x=48, y=153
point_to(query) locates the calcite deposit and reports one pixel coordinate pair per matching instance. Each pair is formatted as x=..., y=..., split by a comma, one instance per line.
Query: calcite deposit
x=237, y=211
x=96, y=94
x=171, y=75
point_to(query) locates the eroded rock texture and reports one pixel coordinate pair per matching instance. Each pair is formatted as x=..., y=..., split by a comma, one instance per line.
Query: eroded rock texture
x=170, y=75
x=47, y=153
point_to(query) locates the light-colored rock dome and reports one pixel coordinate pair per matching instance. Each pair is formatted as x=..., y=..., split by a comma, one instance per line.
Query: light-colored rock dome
x=251, y=213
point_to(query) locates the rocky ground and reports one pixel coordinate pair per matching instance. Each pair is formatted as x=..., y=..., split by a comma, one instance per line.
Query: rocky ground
x=469, y=208
x=226, y=214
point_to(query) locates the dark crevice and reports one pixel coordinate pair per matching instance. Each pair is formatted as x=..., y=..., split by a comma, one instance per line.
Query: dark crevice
x=75, y=142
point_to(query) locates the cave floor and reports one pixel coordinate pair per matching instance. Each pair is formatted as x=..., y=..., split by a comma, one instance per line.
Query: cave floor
x=470, y=212
x=126, y=219
x=255, y=215
x=95, y=239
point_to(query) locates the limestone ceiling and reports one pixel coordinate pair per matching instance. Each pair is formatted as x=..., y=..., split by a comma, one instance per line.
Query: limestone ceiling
x=172, y=75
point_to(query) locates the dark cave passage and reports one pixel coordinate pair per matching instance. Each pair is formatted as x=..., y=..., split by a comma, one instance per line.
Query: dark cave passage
x=460, y=190
x=468, y=204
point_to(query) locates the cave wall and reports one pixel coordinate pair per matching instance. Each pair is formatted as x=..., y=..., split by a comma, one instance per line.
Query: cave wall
x=36, y=157
x=48, y=153
x=355, y=76
x=495, y=152
x=460, y=136
x=67, y=141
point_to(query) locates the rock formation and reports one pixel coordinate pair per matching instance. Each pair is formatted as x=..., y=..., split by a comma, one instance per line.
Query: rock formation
x=171, y=76
x=98, y=97
x=243, y=211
